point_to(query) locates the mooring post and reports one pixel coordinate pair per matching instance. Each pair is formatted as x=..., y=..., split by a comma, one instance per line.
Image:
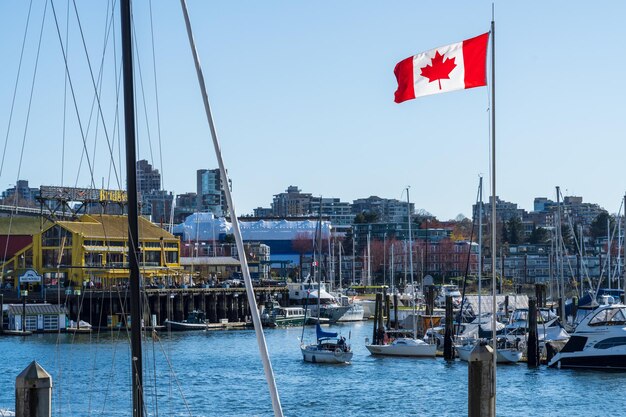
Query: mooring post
x=480, y=388
x=387, y=308
x=533, y=341
x=395, y=311
x=448, y=351
x=574, y=311
x=33, y=392
x=506, y=306
x=380, y=331
x=376, y=308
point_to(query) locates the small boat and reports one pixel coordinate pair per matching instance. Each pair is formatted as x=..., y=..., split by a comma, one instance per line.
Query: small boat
x=599, y=341
x=318, y=301
x=355, y=309
x=78, y=327
x=196, y=320
x=274, y=315
x=404, y=346
x=330, y=348
x=504, y=353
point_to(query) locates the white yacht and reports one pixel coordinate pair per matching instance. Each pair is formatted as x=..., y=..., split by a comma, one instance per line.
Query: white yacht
x=599, y=341
x=404, y=346
x=451, y=290
x=355, y=309
x=305, y=294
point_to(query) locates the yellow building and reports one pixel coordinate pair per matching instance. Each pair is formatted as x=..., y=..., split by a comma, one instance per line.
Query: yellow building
x=92, y=250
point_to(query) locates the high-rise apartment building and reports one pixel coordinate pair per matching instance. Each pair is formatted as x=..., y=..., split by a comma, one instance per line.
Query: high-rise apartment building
x=210, y=192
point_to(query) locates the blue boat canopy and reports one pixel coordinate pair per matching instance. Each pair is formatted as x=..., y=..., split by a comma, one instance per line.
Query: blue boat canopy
x=321, y=334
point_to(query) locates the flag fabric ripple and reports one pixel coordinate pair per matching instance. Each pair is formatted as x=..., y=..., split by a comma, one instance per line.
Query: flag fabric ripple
x=452, y=67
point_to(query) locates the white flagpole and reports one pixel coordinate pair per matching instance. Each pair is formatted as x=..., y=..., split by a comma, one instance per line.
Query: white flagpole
x=493, y=200
x=267, y=365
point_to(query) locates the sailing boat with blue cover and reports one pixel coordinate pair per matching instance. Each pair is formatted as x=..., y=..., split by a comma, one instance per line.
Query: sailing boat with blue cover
x=329, y=346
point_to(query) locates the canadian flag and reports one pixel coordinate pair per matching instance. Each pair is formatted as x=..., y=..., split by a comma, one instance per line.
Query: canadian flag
x=453, y=67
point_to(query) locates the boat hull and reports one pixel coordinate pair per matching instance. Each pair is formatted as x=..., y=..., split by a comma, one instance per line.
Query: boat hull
x=591, y=362
x=503, y=355
x=314, y=355
x=182, y=326
x=415, y=350
x=355, y=313
x=284, y=322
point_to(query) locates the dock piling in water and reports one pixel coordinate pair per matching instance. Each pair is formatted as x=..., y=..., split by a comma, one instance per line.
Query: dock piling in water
x=480, y=387
x=33, y=392
x=533, y=341
x=448, y=351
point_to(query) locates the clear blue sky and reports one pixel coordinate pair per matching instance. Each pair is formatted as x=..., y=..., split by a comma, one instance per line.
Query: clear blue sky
x=302, y=94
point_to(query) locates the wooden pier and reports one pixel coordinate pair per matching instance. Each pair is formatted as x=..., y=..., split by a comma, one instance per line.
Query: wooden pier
x=109, y=308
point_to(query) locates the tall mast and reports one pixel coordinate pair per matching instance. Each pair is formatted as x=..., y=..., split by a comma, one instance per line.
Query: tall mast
x=254, y=311
x=411, y=264
x=133, y=227
x=608, y=251
x=559, y=241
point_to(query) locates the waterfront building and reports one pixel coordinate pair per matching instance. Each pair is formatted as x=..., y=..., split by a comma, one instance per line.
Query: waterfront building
x=263, y=212
x=287, y=240
x=338, y=212
x=210, y=192
x=186, y=205
x=387, y=210
x=91, y=250
x=38, y=318
x=155, y=203
x=505, y=211
x=26, y=196
x=292, y=203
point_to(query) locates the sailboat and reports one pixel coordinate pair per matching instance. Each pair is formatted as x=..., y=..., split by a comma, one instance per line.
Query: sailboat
x=505, y=353
x=404, y=345
x=329, y=346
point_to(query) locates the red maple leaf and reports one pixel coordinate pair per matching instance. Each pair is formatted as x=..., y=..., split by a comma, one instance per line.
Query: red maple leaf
x=439, y=69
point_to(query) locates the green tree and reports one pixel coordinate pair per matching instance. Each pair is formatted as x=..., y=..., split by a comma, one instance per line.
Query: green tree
x=538, y=235
x=515, y=230
x=598, y=226
x=366, y=217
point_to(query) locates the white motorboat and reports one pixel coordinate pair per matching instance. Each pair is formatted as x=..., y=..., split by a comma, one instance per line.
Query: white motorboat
x=329, y=348
x=404, y=346
x=355, y=310
x=504, y=354
x=599, y=341
x=305, y=294
x=448, y=290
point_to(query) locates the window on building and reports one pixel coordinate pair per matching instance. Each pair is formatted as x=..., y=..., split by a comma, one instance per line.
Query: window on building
x=50, y=322
x=56, y=236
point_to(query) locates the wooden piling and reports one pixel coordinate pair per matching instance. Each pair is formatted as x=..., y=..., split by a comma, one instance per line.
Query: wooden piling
x=533, y=341
x=448, y=351
x=395, y=310
x=33, y=392
x=376, y=308
x=480, y=387
x=506, y=306
x=387, y=308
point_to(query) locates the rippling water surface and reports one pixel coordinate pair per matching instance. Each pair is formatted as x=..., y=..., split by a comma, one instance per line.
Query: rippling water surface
x=220, y=374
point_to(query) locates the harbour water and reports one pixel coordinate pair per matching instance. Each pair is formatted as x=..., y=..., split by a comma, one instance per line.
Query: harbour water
x=219, y=373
